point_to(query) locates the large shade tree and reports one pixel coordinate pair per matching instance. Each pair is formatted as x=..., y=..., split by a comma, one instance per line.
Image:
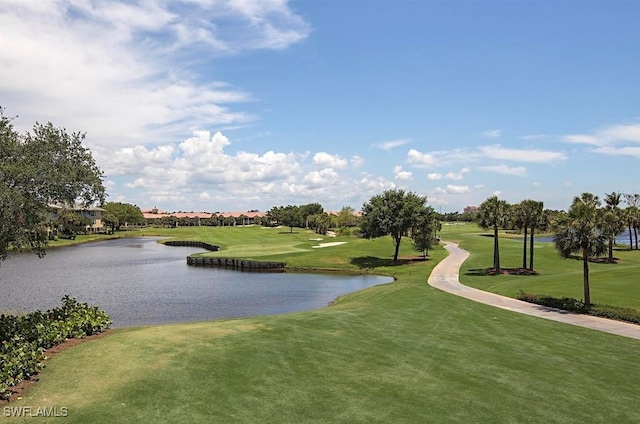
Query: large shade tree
x=580, y=231
x=124, y=213
x=39, y=168
x=392, y=213
x=494, y=214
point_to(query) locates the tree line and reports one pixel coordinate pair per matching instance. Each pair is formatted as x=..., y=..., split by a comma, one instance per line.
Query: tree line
x=589, y=228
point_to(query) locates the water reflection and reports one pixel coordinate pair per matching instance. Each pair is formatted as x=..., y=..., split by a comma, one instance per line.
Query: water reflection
x=138, y=282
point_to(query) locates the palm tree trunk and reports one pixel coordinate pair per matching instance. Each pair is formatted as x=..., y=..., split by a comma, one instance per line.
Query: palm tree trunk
x=524, y=249
x=531, y=248
x=611, y=241
x=496, y=251
x=635, y=233
x=585, y=277
x=630, y=239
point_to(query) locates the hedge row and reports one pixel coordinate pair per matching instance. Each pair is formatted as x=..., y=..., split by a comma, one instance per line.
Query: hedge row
x=573, y=305
x=25, y=338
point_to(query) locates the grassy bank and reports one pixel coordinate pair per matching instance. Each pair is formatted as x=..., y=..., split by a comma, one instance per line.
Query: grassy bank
x=403, y=352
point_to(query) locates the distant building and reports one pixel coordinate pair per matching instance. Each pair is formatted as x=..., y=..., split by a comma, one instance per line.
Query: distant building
x=470, y=209
x=92, y=213
x=245, y=218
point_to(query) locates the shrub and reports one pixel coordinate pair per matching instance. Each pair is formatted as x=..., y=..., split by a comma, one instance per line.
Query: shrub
x=565, y=303
x=615, y=312
x=574, y=305
x=25, y=338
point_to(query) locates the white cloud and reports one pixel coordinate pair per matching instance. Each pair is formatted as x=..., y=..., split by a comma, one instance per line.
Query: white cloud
x=433, y=176
x=401, y=174
x=614, y=134
x=454, y=189
x=392, y=144
x=420, y=159
x=521, y=155
x=357, y=161
x=619, y=151
x=457, y=175
x=328, y=160
x=204, y=196
x=120, y=70
x=504, y=169
x=320, y=178
x=492, y=134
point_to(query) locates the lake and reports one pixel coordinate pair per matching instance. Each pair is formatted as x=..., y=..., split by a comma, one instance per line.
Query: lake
x=621, y=239
x=138, y=281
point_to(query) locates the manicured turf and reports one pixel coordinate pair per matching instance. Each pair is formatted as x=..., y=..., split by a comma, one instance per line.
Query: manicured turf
x=614, y=284
x=402, y=353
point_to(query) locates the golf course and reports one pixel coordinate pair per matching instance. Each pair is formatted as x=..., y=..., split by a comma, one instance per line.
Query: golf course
x=402, y=352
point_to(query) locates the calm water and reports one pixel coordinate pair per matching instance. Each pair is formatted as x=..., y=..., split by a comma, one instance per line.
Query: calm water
x=138, y=281
x=620, y=239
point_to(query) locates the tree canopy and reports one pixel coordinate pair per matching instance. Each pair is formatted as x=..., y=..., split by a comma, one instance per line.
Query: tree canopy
x=393, y=213
x=581, y=231
x=494, y=214
x=39, y=168
x=124, y=213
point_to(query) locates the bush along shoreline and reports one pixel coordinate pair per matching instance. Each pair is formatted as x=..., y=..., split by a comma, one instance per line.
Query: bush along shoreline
x=25, y=338
x=577, y=306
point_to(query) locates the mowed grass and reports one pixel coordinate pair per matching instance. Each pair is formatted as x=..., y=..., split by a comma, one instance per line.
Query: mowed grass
x=402, y=352
x=614, y=284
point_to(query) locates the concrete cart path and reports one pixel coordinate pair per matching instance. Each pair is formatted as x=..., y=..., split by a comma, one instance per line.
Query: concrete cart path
x=445, y=276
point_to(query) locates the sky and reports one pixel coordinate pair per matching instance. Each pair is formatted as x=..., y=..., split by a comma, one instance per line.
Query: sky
x=210, y=105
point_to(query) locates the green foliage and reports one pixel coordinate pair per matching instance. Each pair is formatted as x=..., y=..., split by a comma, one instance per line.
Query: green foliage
x=122, y=213
x=573, y=305
x=45, y=166
x=564, y=303
x=25, y=338
x=582, y=230
x=393, y=213
x=494, y=214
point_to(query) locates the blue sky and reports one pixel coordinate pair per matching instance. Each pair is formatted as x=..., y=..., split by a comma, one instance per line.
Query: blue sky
x=207, y=105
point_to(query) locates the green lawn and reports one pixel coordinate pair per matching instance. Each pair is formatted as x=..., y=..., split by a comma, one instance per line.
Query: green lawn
x=402, y=353
x=613, y=284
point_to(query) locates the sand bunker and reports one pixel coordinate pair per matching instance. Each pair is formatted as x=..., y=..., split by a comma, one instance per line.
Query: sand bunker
x=335, y=243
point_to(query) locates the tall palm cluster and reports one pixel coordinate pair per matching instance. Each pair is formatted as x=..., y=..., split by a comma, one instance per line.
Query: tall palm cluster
x=528, y=216
x=588, y=228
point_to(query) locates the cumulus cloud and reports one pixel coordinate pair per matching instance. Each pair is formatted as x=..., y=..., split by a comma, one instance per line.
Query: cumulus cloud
x=433, y=176
x=453, y=189
x=401, y=174
x=420, y=159
x=457, y=175
x=328, y=160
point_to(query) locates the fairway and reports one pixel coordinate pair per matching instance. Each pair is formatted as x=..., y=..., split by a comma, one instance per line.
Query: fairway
x=402, y=352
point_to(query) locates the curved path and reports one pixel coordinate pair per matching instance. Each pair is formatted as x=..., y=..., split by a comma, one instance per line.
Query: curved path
x=445, y=276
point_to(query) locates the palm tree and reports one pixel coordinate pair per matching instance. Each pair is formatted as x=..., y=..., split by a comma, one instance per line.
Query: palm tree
x=612, y=219
x=528, y=214
x=581, y=231
x=494, y=214
x=632, y=215
x=539, y=219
